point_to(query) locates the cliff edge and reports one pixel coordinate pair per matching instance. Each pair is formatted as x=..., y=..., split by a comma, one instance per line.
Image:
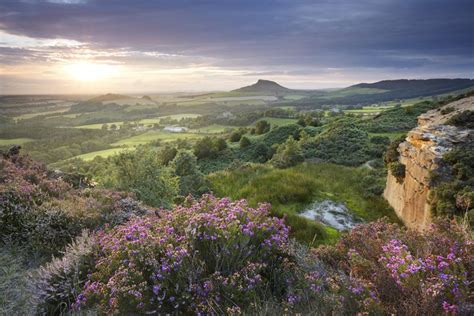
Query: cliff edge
x=421, y=154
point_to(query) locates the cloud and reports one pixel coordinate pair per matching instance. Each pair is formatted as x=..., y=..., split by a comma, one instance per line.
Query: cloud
x=271, y=38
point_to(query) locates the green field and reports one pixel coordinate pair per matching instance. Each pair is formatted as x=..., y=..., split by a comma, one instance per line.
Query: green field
x=14, y=141
x=392, y=136
x=276, y=121
x=31, y=115
x=102, y=153
x=143, y=121
x=152, y=136
x=211, y=129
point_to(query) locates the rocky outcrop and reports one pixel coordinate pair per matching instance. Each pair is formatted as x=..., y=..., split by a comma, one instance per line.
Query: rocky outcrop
x=422, y=153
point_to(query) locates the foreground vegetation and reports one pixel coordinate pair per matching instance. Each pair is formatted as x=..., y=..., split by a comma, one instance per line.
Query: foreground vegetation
x=139, y=231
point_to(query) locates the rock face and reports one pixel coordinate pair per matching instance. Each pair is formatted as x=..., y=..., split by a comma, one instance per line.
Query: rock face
x=421, y=153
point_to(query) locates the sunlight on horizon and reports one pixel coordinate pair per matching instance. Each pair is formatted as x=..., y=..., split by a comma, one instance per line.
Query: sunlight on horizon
x=87, y=71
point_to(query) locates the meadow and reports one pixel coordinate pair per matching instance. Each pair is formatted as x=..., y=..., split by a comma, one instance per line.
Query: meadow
x=291, y=190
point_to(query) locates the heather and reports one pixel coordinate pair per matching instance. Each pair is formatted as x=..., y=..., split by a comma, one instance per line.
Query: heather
x=43, y=211
x=206, y=256
x=399, y=271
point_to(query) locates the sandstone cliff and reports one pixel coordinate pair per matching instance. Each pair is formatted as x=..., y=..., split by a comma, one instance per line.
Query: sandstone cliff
x=421, y=153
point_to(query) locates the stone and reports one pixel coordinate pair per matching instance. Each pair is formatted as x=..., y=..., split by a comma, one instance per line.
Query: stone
x=422, y=153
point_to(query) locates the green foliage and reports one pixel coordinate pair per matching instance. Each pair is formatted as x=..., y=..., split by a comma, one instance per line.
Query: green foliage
x=291, y=190
x=167, y=154
x=397, y=169
x=191, y=180
x=452, y=195
x=244, y=142
x=280, y=134
x=287, y=154
x=142, y=173
x=464, y=119
x=16, y=266
x=342, y=143
x=400, y=119
x=262, y=152
x=208, y=147
x=235, y=136
x=262, y=127
x=392, y=154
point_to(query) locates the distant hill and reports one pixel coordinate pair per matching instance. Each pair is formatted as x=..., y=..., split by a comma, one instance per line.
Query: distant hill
x=387, y=90
x=265, y=87
x=110, y=97
x=431, y=86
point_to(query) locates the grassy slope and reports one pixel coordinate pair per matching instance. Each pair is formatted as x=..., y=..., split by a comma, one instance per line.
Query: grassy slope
x=291, y=190
x=14, y=141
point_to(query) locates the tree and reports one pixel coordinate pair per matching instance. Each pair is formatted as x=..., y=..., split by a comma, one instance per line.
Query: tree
x=220, y=144
x=141, y=172
x=262, y=152
x=113, y=127
x=167, y=154
x=235, y=136
x=191, y=180
x=244, y=142
x=204, y=148
x=288, y=154
x=262, y=127
x=105, y=127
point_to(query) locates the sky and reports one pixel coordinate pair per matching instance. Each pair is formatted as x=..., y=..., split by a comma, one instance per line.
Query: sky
x=134, y=46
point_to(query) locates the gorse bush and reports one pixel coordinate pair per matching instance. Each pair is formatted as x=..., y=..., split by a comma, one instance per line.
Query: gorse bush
x=209, y=256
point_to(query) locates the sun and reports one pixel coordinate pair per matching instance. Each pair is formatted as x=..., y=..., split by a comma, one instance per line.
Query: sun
x=87, y=71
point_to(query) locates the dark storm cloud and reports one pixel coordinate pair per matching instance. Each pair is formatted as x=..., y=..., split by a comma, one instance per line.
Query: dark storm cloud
x=249, y=33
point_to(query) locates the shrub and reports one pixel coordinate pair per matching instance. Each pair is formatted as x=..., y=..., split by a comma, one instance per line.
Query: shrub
x=452, y=194
x=397, y=169
x=235, y=136
x=447, y=110
x=211, y=256
x=288, y=154
x=463, y=119
x=262, y=152
x=342, y=143
x=167, y=154
x=191, y=180
x=392, y=154
x=142, y=173
x=396, y=271
x=262, y=127
x=58, y=283
x=244, y=142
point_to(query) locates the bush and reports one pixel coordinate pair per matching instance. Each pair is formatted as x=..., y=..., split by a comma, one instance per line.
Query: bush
x=262, y=127
x=288, y=154
x=392, y=154
x=142, y=173
x=452, y=194
x=211, y=256
x=58, y=283
x=244, y=142
x=191, y=180
x=342, y=143
x=464, y=119
x=235, y=136
x=395, y=271
x=397, y=169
